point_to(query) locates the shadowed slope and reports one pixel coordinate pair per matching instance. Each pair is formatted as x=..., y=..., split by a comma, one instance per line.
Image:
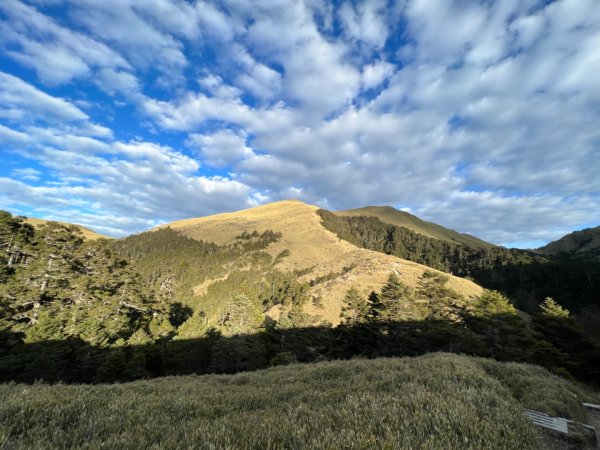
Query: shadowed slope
x=392, y=216
x=584, y=245
x=333, y=265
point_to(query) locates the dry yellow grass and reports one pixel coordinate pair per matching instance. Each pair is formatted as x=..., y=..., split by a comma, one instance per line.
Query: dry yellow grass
x=86, y=232
x=312, y=246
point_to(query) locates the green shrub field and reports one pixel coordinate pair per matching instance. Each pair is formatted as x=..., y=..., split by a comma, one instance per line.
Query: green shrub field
x=434, y=401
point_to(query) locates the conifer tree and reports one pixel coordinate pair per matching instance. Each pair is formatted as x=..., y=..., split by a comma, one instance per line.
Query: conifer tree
x=46, y=328
x=375, y=306
x=442, y=303
x=195, y=327
x=495, y=320
x=395, y=301
x=240, y=316
x=140, y=337
x=160, y=327
x=549, y=308
x=492, y=303
x=356, y=308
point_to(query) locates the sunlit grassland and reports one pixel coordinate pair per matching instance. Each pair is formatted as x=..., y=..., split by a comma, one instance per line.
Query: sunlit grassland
x=433, y=401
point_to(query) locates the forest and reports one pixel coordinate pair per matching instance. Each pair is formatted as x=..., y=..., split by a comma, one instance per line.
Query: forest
x=115, y=310
x=523, y=275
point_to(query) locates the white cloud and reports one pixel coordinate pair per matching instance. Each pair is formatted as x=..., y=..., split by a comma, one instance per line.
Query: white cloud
x=258, y=79
x=375, y=74
x=365, y=22
x=317, y=77
x=220, y=149
x=139, y=180
x=13, y=137
x=114, y=81
x=215, y=85
x=142, y=41
x=27, y=173
x=56, y=53
x=20, y=100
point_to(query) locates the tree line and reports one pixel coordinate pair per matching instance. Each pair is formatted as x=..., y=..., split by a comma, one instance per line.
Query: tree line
x=525, y=276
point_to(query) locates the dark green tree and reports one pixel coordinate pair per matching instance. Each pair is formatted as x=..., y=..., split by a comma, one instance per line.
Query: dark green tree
x=240, y=316
x=441, y=302
x=356, y=307
x=496, y=321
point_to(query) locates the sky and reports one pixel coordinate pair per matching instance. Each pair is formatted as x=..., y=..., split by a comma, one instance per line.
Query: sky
x=482, y=116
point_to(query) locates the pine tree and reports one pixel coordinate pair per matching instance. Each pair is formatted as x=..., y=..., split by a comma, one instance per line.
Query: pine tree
x=492, y=303
x=495, y=320
x=395, y=301
x=295, y=317
x=375, y=306
x=160, y=327
x=46, y=328
x=193, y=328
x=240, y=316
x=113, y=366
x=442, y=303
x=549, y=308
x=356, y=308
x=140, y=337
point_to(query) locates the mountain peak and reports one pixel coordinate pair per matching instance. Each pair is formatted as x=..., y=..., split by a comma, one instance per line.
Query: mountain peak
x=307, y=247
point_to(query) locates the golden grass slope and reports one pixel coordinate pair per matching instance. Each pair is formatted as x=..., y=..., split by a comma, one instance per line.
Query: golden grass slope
x=86, y=232
x=311, y=246
x=393, y=216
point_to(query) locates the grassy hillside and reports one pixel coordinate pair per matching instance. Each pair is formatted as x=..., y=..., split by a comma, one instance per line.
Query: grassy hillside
x=315, y=254
x=526, y=276
x=435, y=401
x=584, y=245
x=85, y=232
x=392, y=216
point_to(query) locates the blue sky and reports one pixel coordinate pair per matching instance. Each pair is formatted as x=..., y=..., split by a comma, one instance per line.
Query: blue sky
x=481, y=116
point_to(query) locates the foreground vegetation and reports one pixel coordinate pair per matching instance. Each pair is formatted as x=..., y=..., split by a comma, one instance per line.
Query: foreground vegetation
x=434, y=401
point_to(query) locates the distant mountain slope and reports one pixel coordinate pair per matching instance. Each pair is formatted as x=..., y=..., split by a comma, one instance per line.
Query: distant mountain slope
x=318, y=255
x=87, y=233
x=524, y=275
x=584, y=245
x=392, y=216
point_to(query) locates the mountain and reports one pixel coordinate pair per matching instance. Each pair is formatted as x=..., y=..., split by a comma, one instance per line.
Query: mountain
x=582, y=245
x=245, y=290
x=526, y=276
x=392, y=216
x=313, y=252
x=86, y=232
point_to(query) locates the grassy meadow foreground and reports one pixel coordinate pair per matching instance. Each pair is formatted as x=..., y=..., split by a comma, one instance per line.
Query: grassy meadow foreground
x=433, y=401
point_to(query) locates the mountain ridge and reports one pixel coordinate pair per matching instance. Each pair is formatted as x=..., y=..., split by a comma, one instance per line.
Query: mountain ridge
x=87, y=233
x=393, y=216
x=313, y=251
x=583, y=244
